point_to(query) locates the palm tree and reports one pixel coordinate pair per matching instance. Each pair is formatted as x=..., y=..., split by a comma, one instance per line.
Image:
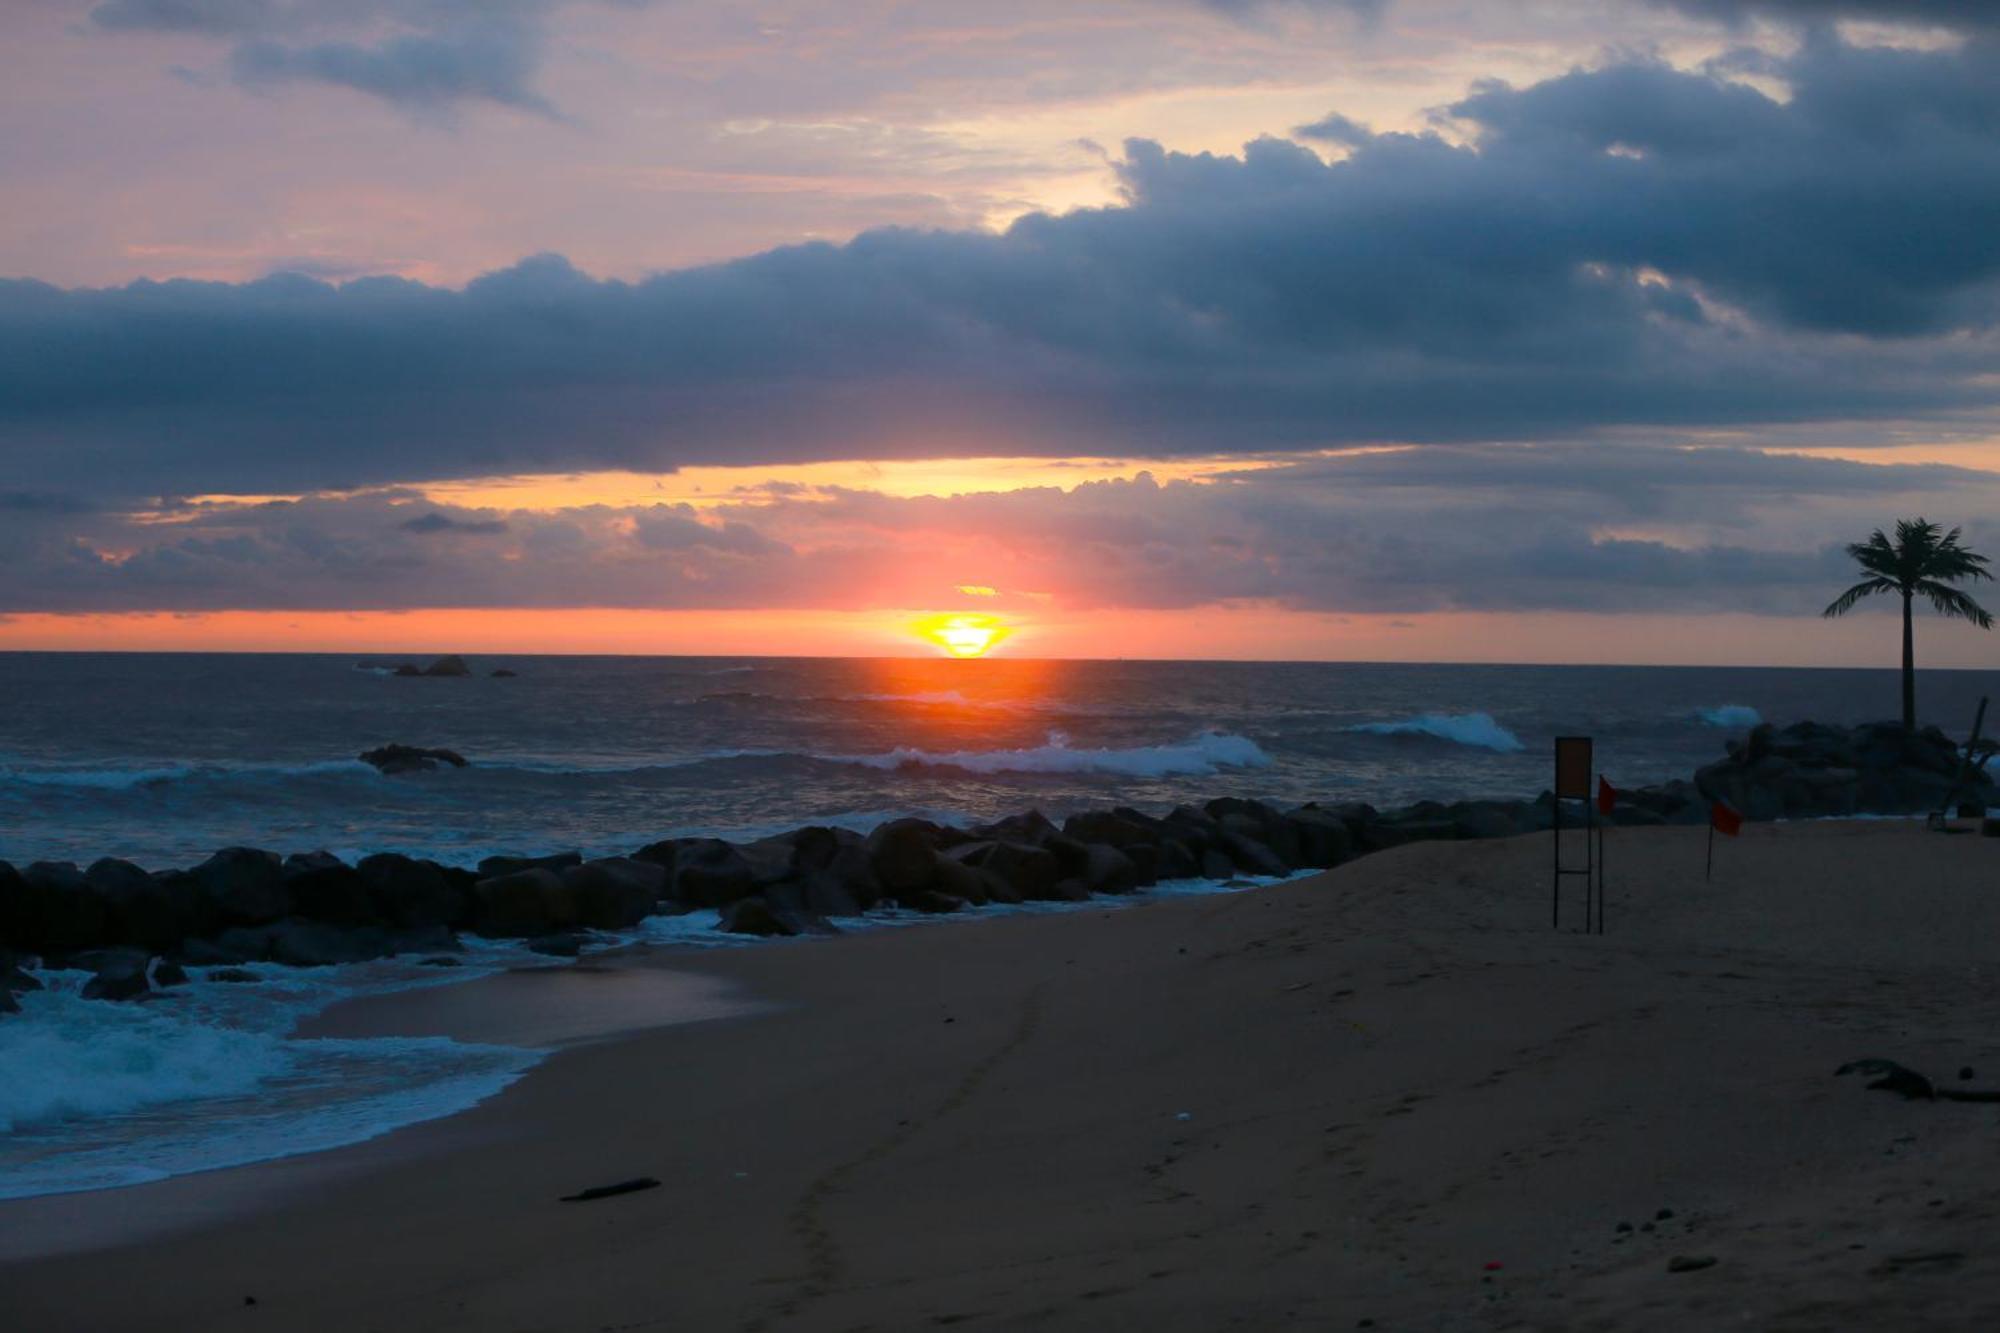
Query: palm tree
x=1924, y=559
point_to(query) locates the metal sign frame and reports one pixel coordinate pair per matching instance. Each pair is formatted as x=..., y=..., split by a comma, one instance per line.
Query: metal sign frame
x=1573, y=765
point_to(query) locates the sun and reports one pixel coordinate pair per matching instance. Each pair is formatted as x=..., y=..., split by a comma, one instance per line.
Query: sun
x=963, y=633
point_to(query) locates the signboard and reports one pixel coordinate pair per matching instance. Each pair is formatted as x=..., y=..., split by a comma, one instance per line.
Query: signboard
x=1573, y=768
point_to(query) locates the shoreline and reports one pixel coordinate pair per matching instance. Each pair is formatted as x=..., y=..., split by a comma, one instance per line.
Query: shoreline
x=1393, y=1075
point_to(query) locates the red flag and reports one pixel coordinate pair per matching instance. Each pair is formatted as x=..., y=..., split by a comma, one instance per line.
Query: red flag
x=1607, y=796
x=1725, y=819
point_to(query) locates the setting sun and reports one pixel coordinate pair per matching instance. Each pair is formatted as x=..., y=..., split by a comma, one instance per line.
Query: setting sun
x=963, y=634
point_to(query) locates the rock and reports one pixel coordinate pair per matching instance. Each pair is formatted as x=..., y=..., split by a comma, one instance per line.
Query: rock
x=753, y=916
x=1323, y=837
x=616, y=892
x=563, y=944
x=502, y=673
x=1253, y=857
x=507, y=865
x=903, y=853
x=709, y=872
x=448, y=666
x=119, y=974
x=1113, y=828
x=826, y=894
x=407, y=669
x=151, y=912
x=13, y=978
x=931, y=902
x=1690, y=1263
x=246, y=886
x=207, y=953
x=325, y=888
x=524, y=904
x=787, y=902
x=1029, y=873
x=415, y=895
x=50, y=908
x=1108, y=870
x=959, y=880
x=166, y=973
x=295, y=942
x=411, y=758
x=1177, y=861
x=1989, y=828
x=1030, y=829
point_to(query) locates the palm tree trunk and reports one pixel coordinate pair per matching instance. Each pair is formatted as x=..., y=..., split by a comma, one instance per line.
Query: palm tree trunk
x=1909, y=669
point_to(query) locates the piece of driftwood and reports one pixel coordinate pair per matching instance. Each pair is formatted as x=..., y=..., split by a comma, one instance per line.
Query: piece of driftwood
x=632, y=1186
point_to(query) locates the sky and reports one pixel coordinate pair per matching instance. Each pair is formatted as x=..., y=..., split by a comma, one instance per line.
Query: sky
x=1473, y=330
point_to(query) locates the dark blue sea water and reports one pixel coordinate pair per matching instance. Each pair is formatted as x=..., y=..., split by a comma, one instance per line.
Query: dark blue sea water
x=163, y=758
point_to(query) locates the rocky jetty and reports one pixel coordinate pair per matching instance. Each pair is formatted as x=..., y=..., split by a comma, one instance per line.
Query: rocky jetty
x=1810, y=770
x=137, y=930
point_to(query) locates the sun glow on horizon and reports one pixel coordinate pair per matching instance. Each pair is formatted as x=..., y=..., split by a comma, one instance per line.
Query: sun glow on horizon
x=963, y=634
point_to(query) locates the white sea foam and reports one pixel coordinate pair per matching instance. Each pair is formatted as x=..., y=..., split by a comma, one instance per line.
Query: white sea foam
x=66, y=1058
x=95, y=1094
x=1729, y=715
x=1209, y=752
x=124, y=779
x=1475, y=729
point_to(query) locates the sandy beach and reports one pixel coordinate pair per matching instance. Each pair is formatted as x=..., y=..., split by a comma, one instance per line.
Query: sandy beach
x=1385, y=1096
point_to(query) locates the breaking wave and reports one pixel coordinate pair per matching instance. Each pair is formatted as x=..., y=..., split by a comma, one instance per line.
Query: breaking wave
x=1209, y=752
x=1475, y=729
x=1729, y=715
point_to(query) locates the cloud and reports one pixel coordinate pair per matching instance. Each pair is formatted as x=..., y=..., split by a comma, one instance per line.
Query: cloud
x=1462, y=527
x=1633, y=246
x=1336, y=129
x=424, y=56
x=1961, y=14
x=437, y=522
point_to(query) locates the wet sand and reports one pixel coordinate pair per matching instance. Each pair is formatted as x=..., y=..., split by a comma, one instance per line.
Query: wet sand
x=1386, y=1093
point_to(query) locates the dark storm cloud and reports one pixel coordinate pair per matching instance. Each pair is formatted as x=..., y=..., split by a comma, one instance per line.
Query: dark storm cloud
x=436, y=54
x=1962, y=14
x=1631, y=246
x=436, y=522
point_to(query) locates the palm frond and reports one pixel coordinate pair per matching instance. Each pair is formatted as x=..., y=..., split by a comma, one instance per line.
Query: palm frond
x=1844, y=603
x=1952, y=602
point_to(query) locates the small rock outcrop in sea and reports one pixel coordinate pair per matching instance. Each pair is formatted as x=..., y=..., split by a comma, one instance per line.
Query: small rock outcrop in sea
x=452, y=665
x=244, y=905
x=411, y=758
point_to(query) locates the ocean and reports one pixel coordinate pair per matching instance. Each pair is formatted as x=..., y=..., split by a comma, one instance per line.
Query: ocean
x=161, y=759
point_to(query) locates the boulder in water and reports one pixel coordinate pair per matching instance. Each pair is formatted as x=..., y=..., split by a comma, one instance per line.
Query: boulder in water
x=524, y=904
x=448, y=666
x=616, y=892
x=394, y=759
x=246, y=885
x=119, y=974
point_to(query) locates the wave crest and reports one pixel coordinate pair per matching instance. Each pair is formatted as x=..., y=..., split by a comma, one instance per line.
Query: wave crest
x=1474, y=729
x=1729, y=715
x=1209, y=752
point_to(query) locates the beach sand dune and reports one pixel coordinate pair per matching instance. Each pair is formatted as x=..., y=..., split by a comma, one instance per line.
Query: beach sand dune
x=1388, y=1093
